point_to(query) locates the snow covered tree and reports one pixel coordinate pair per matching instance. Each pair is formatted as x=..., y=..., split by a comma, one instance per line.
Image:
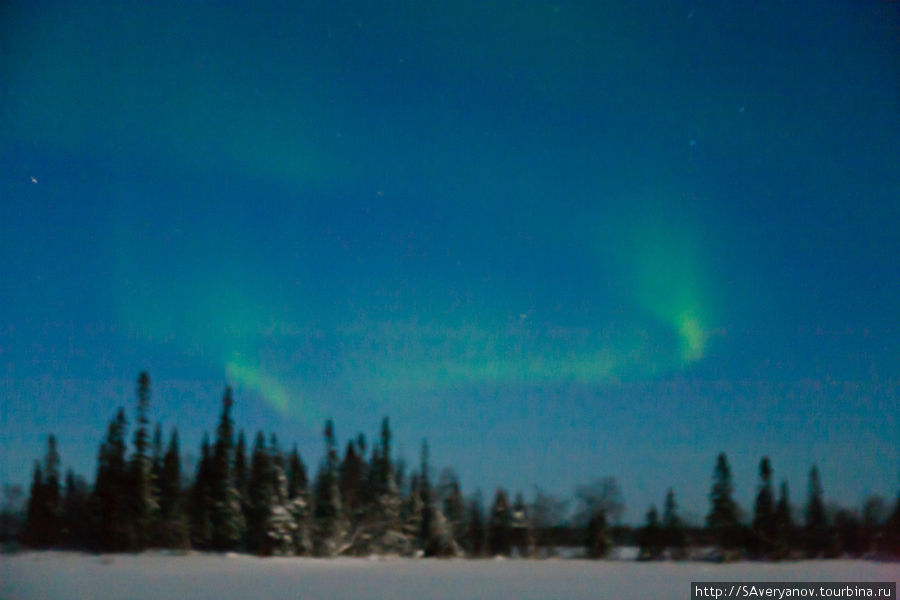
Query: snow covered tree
x=673, y=536
x=298, y=503
x=452, y=503
x=650, y=538
x=226, y=516
x=382, y=531
x=522, y=527
x=500, y=525
x=329, y=523
x=763, y=530
x=722, y=519
x=280, y=525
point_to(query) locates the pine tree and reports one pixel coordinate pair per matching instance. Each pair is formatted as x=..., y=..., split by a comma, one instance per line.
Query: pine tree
x=384, y=533
x=763, y=534
x=784, y=526
x=651, y=542
x=226, y=517
x=142, y=501
x=673, y=536
x=816, y=531
x=722, y=520
x=500, y=525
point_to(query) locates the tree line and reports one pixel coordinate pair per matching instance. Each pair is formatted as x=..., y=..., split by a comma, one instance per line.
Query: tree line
x=261, y=500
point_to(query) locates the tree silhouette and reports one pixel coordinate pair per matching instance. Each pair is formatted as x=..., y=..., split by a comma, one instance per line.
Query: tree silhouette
x=722, y=519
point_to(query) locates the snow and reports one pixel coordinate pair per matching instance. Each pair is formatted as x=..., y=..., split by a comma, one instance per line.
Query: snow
x=157, y=576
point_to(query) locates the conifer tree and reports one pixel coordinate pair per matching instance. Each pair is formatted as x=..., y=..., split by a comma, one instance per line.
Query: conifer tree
x=523, y=530
x=173, y=521
x=475, y=541
x=722, y=520
x=651, y=543
x=890, y=542
x=298, y=503
x=673, y=536
x=280, y=526
x=351, y=483
x=784, y=526
x=75, y=516
x=33, y=534
x=452, y=503
x=142, y=501
x=328, y=512
x=201, y=499
x=110, y=499
x=500, y=525
x=764, y=526
x=297, y=480
x=226, y=517
x=598, y=541
x=816, y=531
x=242, y=481
x=260, y=494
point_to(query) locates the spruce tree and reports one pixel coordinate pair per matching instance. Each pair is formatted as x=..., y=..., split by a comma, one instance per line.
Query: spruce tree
x=651, y=542
x=242, y=481
x=260, y=495
x=816, y=531
x=33, y=533
x=173, y=521
x=280, y=526
x=890, y=542
x=142, y=501
x=598, y=541
x=764, y=526
x=523, y=528
x=75, y=516
x=298, y=503
x=201, y=499
x=722, y=519
x=500, y=525
x=452, y=503
x=110, y=499
x=227, y=519
x=673, y=536
x=784, y=526
x=475, y=541
x=351, y=483
x=328, y=513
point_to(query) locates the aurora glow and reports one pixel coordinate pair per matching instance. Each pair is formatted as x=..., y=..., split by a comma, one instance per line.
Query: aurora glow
x=558, y=239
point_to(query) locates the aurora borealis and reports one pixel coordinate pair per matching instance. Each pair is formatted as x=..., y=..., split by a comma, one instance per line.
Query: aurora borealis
x=562, y=240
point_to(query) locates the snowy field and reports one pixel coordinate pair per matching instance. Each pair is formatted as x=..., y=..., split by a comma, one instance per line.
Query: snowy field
x=52, y=575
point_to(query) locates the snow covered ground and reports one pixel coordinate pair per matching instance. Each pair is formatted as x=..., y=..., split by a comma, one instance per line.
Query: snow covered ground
x=60, y=575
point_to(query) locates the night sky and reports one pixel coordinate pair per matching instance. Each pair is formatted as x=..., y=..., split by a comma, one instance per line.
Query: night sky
x=561, y=240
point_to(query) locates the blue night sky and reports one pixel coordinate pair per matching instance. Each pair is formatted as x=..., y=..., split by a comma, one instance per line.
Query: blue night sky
x=561, y=240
